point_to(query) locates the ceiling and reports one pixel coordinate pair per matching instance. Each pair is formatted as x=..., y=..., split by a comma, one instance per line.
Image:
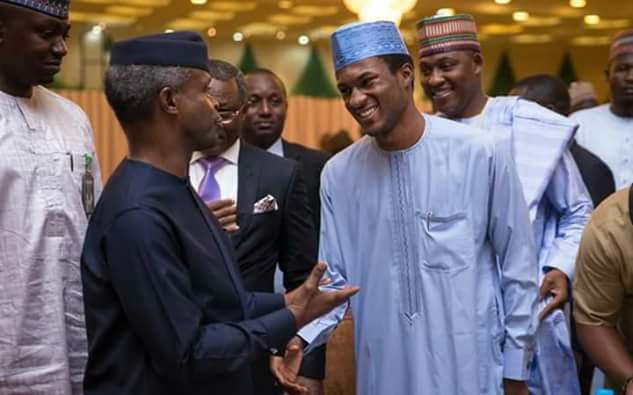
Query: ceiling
x=549, y=20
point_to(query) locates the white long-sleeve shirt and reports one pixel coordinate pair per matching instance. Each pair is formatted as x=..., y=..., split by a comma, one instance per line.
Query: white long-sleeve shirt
x=610, y=137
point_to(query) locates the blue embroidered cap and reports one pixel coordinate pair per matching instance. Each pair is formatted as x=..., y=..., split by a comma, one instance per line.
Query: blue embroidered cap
x=178, y=49
x=54, y=8
x=361, y=40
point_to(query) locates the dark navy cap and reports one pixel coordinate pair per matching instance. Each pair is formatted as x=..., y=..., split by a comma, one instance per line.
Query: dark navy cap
x=178, y=49
x=54, y=8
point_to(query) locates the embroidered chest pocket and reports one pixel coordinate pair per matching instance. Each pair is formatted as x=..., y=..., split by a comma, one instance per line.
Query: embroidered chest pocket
x=447, y=241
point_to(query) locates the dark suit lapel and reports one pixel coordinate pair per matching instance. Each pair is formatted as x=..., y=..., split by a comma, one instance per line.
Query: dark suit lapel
x=247, y=186
x=289, y=151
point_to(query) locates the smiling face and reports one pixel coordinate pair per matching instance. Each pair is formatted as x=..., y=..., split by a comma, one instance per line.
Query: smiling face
x=375, y=95
x=452, y=80
x=32, y=46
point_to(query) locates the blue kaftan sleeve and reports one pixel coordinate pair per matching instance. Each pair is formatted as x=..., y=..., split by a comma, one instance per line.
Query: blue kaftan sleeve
x=510, y=232
x=330, y=251
x=567, y=194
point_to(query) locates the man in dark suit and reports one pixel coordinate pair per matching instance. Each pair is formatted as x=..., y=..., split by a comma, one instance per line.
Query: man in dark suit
x=550, y=92
x=264, y=120
x=166, y=311
x=271, y=223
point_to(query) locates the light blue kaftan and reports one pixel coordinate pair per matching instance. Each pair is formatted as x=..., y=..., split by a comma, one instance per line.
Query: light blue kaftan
x=559, y=207
x=419, y=231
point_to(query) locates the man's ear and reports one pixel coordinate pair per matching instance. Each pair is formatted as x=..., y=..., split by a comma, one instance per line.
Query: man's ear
x=478, y=62
x=167, y=99
x=408, y=74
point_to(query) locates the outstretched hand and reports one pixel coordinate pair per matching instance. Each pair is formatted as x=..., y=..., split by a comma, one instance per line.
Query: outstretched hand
x=308, y=302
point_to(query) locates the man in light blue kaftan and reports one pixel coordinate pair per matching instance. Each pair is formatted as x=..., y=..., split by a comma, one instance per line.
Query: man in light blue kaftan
x=538, y=140
x=416, y=213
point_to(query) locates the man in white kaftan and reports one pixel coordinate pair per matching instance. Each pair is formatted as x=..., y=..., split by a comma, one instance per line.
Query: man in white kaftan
x=46, y=158
x=607, y=130
x=416, y=213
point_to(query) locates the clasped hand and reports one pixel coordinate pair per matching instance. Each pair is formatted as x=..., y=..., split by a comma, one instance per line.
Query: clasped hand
x=306, y=303
x=225, y=212
x=555, y=283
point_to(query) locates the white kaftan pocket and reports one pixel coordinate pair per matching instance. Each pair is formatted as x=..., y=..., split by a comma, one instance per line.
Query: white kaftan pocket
x=447, y=241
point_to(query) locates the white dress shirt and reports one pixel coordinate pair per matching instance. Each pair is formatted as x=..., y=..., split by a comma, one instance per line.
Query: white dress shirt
x=610, y=137
x=226, y=176
x=277, y=148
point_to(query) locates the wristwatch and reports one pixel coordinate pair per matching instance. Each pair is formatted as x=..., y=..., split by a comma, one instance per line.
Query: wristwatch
x=276, y=352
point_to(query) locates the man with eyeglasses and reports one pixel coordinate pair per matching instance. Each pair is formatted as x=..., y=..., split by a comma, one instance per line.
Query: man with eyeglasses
x=259, y=198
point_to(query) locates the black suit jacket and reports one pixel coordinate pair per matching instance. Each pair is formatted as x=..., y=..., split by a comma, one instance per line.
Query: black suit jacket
x=166, y=310
x=312, y=162
x=286, y=236
x=595, y=173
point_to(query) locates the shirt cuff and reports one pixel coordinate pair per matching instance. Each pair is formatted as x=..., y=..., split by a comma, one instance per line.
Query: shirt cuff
x=315, y=334
x=565, y=262
x=280, y=327
x=515, y=364
x=311, y=332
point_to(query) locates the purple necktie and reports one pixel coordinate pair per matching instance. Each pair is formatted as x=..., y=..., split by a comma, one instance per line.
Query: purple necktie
x=209, y=189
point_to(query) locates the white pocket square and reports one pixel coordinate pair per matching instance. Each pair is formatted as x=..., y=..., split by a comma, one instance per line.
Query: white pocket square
x=266, y=204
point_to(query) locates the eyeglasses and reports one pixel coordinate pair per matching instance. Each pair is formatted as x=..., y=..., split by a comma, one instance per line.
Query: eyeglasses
x=227, y=116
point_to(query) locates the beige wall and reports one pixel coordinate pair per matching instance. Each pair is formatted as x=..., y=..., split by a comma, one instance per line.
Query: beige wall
x=526, y=60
